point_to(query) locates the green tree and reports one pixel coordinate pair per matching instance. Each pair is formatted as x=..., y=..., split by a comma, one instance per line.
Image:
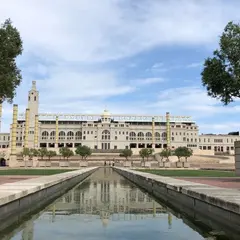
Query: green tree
x=126, y=153
x=183, y=152
x=66, y=152
x=221, y=73
x=145, y=153
x=166, y=153
x=25, y=152
x=42, y=152
x=84, y=151
x=51, y=154
x=10, y=49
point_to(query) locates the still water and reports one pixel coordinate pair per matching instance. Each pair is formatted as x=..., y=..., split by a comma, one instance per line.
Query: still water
x=105, y=206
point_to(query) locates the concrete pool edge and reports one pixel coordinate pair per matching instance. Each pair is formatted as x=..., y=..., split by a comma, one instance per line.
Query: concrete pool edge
x=219, y=204
x=21, y=197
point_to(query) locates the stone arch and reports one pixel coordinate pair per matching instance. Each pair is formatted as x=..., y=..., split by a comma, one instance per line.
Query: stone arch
x=164, y=136
x=70, y=135
x=148, y=136
x=140, y=136
x=132, y=136
x=45, y=135
x=78, y=135
x=62, y=135
x=52, y=135
x=157, y=136
x=106, y=135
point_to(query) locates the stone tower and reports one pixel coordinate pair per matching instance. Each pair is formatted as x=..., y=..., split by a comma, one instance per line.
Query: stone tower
x=33, y=104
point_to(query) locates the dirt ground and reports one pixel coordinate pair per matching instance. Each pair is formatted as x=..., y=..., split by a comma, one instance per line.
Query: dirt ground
x=15, y=178
x=218, y=182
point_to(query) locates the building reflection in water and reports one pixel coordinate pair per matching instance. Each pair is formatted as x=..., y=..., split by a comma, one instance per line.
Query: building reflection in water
x=108, y=196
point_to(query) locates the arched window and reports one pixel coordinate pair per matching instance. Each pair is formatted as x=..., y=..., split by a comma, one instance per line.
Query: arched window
x=164, y=136
x=70, y=135
x=61, y=135
x=78, y=135
x=45, y=135
x=140, y=136
x=148, y=136
x=132, y=136
x=52, y=135
x=157, y=136
x=105, y=135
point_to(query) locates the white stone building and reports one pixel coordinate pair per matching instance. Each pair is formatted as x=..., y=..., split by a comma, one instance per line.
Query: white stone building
x=109, y=132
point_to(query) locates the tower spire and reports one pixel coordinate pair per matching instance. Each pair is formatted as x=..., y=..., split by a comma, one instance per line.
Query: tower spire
x=34, y=86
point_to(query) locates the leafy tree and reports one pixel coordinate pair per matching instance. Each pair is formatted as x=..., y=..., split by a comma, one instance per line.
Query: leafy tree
x=66, y=152
x=166, y=153
x=25, y=152
x=42, y=152
x=126, y=153
x=34, y=152
x=84, y=151
x=51, y=154
x=221, y=73
x=10, y=49
x=146, y=153
x=183, y=152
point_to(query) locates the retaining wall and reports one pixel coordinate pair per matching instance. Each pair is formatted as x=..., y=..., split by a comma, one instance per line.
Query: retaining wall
x=20, y=198
x=218, y=204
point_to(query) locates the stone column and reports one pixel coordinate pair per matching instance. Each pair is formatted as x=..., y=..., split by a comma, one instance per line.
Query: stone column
x=26, y=128
x=56, y=134
x=153, y=132
x=36, y=132
x=168, y=129
x=237, y=158
x=0, y=116
x=13, y=157
x=14, y=129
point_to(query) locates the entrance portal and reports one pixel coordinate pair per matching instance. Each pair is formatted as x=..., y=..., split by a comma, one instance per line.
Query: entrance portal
x=2, y=162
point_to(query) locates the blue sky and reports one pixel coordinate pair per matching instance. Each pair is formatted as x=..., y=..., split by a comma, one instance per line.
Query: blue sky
x=135, y=57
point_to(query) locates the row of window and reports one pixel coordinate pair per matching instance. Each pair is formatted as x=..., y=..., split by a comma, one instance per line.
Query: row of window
x=218, y=140
x=216, y=148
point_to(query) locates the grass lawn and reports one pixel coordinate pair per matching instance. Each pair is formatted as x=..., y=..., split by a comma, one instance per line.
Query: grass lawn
x=190, y=173
x=32, y=172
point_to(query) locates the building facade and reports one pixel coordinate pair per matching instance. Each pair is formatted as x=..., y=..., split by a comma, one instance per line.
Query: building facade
x=106, y=132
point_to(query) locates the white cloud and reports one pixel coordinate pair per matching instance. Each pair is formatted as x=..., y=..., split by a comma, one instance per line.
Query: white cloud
x=195, y=65
x=89, y=31
x=148, y=81
x=191, y=100
x=62, y=33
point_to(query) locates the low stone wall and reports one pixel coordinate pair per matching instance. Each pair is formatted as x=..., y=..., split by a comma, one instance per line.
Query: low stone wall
x=237, y=158
x=218, y=204
x=22, y=197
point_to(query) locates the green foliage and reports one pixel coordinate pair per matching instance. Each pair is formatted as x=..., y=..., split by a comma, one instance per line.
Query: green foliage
x=10, y=49
x=183, y=152
x=166, y=153
x=126, y=153
x=66, y=152
x=221, y=73
x=146, y=153
x=34, y=152
x=25, y=152
x=42, y=152
x=83, y=151
x=51, y=154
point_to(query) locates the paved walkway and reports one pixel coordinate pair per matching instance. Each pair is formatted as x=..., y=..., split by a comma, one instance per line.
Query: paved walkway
x=218, y=182
x=14, y=178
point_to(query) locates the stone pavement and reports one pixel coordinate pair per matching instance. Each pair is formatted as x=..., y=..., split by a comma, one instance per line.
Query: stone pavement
x=14, y=178
x=213, y=181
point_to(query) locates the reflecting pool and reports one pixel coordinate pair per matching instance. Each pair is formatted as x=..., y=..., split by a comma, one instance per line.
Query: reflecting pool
x=106, y=206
